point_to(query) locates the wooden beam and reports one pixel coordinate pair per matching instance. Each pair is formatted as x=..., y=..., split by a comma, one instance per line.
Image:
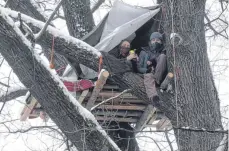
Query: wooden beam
x=28, y=108
x=111, y=87
x=167, y=80
x=123, y=101
x=83, y=96
x=108, y=94
x=163, y=123
x=108, y=119
x=118, y=113
x=122, y=107
x=152, y=119
x=98, y=87
x=149, y=111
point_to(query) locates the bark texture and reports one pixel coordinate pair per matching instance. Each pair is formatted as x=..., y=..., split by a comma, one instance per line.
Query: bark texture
x=78, y=17
x=197, y=98
x=81, y=131
x=196, y=95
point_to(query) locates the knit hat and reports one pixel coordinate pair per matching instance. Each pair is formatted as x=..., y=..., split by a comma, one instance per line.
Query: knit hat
x=156, y=35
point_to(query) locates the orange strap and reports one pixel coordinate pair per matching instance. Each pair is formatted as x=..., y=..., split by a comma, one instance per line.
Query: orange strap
x=52, y=66
x=100, y=63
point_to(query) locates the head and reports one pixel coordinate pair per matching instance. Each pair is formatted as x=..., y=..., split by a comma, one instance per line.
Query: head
x=124, y=47
x=155, y=42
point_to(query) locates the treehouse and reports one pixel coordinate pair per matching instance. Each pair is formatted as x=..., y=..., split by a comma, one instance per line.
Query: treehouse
x=105, y=99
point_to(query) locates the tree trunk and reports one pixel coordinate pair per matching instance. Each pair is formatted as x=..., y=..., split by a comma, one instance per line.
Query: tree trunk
x=75, y=122
x=196, y=95
x=79, y=18
x=198, y=104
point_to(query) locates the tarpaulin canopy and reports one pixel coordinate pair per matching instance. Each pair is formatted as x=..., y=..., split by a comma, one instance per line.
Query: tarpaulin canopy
x=120, y=23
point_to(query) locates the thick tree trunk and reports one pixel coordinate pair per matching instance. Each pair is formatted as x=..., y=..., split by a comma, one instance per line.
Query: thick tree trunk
x=73, y=30
x=75, y=122
x=196, y=95
x=79, y=18
x=197, y=104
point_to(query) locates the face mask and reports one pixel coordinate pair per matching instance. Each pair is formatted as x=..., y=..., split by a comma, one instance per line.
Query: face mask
x=124, y=50
x=155, y=46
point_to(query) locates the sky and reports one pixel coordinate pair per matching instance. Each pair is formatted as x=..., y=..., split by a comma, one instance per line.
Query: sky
x=217, y=50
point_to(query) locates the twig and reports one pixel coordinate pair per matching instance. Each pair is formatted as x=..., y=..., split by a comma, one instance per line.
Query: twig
x=212, y=28
x=7, y=3
x=168, y=140
x=6, y=92
x=4, y=84
x=38, y=35
x=127, y=90
x=96, y=6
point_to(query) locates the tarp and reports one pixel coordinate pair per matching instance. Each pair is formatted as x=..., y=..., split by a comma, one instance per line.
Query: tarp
x=120, y=23
x=123, y=20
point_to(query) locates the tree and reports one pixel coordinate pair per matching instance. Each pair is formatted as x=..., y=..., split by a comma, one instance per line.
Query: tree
x=196, y=74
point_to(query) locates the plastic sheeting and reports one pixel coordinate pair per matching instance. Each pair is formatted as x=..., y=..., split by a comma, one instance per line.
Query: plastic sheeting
x=123, y=20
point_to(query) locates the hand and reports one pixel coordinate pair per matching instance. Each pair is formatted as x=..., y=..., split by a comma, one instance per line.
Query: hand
x=149, y=63
x=131, y=56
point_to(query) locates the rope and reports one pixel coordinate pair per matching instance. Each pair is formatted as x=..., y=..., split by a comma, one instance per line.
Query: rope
x=175, y=71
x=52, y=66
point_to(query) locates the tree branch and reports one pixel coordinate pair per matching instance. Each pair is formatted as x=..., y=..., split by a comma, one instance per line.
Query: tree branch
x=38, y=35
x=75, y=121
x=97, y=5
x=13, y=95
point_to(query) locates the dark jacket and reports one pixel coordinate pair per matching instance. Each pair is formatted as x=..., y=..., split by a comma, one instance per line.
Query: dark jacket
x=145, y=55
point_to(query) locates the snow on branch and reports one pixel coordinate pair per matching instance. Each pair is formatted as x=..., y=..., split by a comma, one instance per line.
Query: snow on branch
x=71, y=109
x=12, y=93
x=53, y=31
x=38, y=35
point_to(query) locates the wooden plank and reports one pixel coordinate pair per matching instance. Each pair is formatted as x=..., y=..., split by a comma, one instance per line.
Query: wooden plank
x=28, y=108
x=108, y=119
x=118, y=113
x=122, y=100
x=83, y=96
x=98, y=87
x=167, y=80
x=111, y=87
x=152, y=119
x=148, y=113
x=163, y=123
x=122, y=107
x=108, y=94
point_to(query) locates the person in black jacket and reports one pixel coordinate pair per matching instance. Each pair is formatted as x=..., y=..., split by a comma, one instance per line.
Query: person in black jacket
x=152, y=59
x=122, y=52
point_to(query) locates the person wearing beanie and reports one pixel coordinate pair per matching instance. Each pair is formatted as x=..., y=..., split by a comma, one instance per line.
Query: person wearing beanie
x=152, y=59
x=152, y=63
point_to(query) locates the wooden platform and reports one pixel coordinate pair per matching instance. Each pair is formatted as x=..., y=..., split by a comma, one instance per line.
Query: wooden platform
x=125, y=108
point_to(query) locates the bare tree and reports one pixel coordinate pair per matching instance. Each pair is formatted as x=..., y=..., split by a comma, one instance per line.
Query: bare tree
x=196, y=106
